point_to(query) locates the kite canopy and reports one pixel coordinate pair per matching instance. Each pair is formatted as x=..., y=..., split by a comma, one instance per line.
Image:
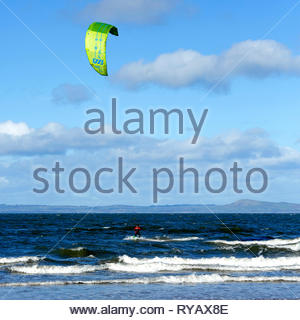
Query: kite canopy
x=95, y=45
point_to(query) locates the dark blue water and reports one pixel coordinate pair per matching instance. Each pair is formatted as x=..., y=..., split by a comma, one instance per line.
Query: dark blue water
x=179, y=256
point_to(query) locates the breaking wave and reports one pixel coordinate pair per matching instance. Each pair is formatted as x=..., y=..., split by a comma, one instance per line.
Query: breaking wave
x=288, y=244
x=37, y=269
x=183, y=279
x=175, y=264
x=10, y=260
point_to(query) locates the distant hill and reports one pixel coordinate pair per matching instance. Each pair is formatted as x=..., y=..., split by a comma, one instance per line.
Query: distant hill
x=241, y=206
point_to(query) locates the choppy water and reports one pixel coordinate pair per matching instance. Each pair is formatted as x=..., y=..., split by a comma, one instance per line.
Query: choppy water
x=179, y=256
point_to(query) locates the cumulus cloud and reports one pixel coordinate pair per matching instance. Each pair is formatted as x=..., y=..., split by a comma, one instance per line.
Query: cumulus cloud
x=73, y=148
x=252, y=147
x=131, y=11
x=70, y=94
x=247, y=146
x=182, y=68
x=14, y=129
x=54, y=138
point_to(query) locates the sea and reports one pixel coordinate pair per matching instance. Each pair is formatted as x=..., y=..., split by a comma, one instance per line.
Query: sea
x=179, y=256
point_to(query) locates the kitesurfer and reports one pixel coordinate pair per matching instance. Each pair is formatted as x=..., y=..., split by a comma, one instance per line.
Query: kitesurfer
x=137, y=229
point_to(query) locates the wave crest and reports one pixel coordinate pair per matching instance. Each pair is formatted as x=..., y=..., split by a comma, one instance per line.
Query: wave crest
x=173, y=264
x=36, y=269
x=287, y=244
x=11, y=260
x=183, y=279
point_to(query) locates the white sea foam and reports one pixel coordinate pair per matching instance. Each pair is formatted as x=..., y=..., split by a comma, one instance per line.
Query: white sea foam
x=147, y=265
x=10, y=260
x=289, y=244
x=160, y=239
x=182, y=279
x=37, y=269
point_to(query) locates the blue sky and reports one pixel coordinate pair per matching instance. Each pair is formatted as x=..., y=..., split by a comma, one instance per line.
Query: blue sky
x=169, y=54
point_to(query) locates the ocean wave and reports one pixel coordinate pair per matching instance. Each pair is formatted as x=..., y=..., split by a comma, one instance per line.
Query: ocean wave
x=169, y=264
x=73, y=252
x=37, y=269
x=288, y=244
x=175, y=264
x=82, y=252
x=160, y=239
x=182, y=279
x=10, y=260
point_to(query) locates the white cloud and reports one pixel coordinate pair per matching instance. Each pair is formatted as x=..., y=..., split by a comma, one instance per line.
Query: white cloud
x=252, y=147
x=258, y=59
x=73, y=148
x=14, y=129
x=54, y=138
x=132, y=11
x=71, y=94
x=288, y=158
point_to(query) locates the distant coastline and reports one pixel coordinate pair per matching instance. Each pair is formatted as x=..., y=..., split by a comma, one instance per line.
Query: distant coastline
x=241, y=206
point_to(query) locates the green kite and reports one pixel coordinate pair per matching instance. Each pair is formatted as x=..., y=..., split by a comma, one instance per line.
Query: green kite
x=95, y=45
